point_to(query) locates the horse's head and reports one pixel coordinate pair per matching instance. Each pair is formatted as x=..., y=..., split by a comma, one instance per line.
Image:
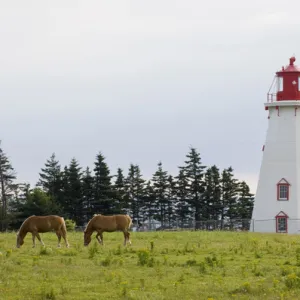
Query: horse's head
x=20, y=240
x=87, y=238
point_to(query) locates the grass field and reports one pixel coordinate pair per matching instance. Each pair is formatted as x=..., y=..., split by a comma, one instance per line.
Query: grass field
x=158, y=265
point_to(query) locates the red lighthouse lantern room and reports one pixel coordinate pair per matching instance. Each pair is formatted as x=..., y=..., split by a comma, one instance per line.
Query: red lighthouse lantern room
x=286, y=84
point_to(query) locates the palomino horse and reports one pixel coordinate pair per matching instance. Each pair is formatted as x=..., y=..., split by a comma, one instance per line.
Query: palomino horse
x=41, y=224
x=102, y=224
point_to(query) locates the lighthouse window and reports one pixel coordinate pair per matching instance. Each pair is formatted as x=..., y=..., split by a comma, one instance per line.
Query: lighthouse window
x=280, y=84
x=283, y=192
x=281, y=224
x=299, y=83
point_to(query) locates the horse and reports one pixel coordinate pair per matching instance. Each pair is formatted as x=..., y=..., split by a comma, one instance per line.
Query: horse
x=41, y=224
x=101, y=223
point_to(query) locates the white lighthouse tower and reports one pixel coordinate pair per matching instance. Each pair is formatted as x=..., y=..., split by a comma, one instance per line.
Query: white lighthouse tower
x=277, y=199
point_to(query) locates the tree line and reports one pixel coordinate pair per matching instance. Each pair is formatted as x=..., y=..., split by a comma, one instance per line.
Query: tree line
x=198, y=193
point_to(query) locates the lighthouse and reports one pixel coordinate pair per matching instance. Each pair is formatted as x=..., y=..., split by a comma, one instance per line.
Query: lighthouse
x=277, y=198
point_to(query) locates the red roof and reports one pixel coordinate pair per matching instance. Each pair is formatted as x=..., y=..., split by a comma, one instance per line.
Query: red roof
x=291, y=67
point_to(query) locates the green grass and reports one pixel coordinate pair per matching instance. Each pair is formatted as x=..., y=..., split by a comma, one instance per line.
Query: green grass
x=158, y=265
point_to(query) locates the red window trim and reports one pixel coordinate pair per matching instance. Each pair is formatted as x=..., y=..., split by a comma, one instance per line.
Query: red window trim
x=283, y=182
x=282, y=215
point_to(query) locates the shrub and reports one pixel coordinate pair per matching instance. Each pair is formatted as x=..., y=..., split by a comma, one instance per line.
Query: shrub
x=70, y=224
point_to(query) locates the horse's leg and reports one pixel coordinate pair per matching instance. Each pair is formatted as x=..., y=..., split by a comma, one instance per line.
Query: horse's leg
x=58, y=237
x=125, y=238
x=98, y=237
x=63, y=233
x=128, y=237
x=101, y=236
x=33, y=240
x=39, y=238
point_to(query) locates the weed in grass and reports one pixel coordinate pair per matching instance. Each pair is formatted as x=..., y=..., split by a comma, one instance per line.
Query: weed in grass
x=165, y=260
x=165, y=251
x=243, y=268
x=151, y=246
x=93, y=250
x=78, y=247
x=292, y=281
x=191, y=262
x=142, y=283
x=106, y=261
x=118, y=251
x=257, y=255
x=35, y=260
x=69, y=252
x=48, y=294
x=285, y=271
x=66, y=261
x=245, y=288
x=209, y=261
x=64, y=290
x=298, y=257
x=8, y=253
x=143, y=257
x=46, y=251
x=202, y=268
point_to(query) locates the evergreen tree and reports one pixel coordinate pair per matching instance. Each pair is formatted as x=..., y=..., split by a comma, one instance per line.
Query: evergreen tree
x=87, y=194
x=183, y=208
x=7, y=176
x=22, y=192
x=104, y=201
x=160, y=187
x=51, y=179
x=171, y=201
x=73, y=201
x=230, y=188
x=245, y=204
x=149, y=205
x=39, y=203
x=135, y=193
x=120, y=192
x=212, y=196
x=193, y=170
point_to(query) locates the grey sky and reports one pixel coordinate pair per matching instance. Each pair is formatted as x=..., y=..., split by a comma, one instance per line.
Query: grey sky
x=140, y=81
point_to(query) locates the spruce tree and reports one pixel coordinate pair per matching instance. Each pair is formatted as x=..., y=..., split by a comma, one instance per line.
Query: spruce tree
x=120, y=192
x=212, y=196
x=149, y=206
x=160, y=187
x=39, y=203
x=245, y=204
x=87, y=194
x=171, y=201
x=135, y=185
x=104, y=201
x=51, y=179
x=230, y=189
x=183, y=207
x=73, y=201
x=194, y=172
x=7, y=177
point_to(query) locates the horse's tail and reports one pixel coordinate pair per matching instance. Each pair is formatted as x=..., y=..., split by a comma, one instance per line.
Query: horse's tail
x=64, y=227
x=129, y=222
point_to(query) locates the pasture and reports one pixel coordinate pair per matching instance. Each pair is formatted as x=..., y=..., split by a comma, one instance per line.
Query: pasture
x=158, y=265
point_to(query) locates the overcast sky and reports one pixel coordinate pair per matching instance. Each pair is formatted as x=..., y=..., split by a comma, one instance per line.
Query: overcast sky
x=140, y=81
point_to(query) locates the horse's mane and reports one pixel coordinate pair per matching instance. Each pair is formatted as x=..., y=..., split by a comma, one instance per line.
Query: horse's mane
x=88, y=224
x=24, y=222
